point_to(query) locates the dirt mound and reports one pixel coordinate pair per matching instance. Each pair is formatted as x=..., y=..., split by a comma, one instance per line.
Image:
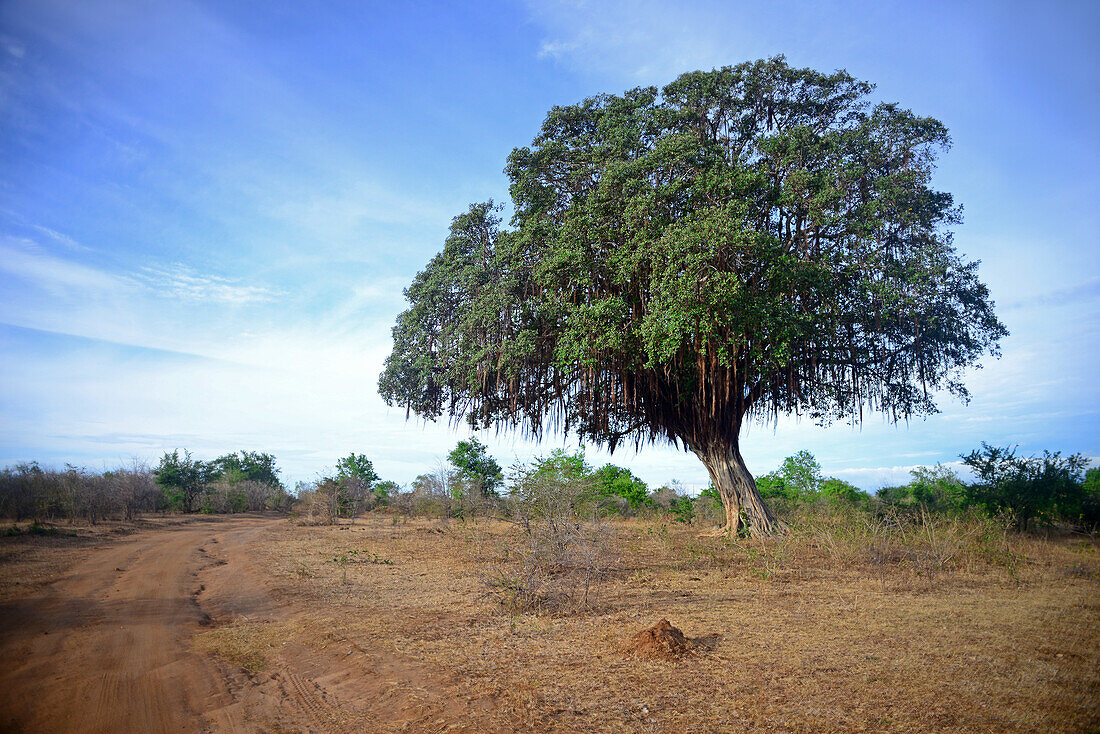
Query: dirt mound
x=662, y=640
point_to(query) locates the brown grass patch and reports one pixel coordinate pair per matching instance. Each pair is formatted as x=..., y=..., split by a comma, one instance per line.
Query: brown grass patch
x=849, y=623
x=248, y=644
x=805, y=633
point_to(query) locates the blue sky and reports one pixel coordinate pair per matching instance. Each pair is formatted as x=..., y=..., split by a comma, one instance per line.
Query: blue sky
x=208, y=210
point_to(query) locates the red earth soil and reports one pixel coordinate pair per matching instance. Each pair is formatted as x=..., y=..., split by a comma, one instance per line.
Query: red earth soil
x=107, y=648
x=662, y=640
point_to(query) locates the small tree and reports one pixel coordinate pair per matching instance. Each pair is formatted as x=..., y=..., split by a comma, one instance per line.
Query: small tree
x=385, y=490
x=798, y=479
x=356, y=476
x=748, y=242
x=557, y=494
x=180, y=478
x=564, y=556
x=253, y=466
x=480, y=470
x=563, y=467
x=615, y=481
x=802, y=473
x=839, y=491
x=894, y=495
x=1045, y=486
x=937, y=488
x=358, y=466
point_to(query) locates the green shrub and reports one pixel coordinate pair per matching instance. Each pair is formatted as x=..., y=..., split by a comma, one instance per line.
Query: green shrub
x=1039, y=488
x=615, y=481
x=683, y=510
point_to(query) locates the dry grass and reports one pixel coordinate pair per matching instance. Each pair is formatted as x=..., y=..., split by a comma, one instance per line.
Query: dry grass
x=847, y=624
x=248, y=644
x=839, y=627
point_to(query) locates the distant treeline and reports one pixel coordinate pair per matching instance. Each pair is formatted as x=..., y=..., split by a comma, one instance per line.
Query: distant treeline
x=239, y=482
x=30, y=492
x=246, y=481
x=1027, y=492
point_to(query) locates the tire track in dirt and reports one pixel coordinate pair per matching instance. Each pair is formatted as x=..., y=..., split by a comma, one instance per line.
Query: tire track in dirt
x=107, y=647
x=309, y=697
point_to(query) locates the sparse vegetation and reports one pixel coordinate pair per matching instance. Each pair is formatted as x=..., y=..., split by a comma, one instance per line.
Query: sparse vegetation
x=851, y=620
x=28, y=491
x=561, y=558
x=248, y=644
x=527, y=603
x=561, y=566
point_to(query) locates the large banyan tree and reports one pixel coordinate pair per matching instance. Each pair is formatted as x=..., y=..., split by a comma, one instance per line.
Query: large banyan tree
x=751, y=241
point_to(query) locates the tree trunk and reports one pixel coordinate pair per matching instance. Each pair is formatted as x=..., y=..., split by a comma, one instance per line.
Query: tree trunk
x=738, y=491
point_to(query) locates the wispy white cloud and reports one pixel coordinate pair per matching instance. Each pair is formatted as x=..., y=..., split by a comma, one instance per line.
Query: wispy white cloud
x=557, y=49
x=13, y=46
x=61, y=238
x=13, y=221
x=1068, y=295
x=27, y=261
x=644, y=42
x=345, y=209
x=182, y=281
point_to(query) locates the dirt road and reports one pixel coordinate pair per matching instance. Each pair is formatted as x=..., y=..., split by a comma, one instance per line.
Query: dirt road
x=107, y=647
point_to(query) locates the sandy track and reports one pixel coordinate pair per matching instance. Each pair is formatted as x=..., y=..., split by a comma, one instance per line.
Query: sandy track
x=107, y=647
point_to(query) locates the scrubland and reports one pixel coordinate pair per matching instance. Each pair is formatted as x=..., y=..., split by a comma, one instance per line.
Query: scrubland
x=846, y=623
x=945, y=625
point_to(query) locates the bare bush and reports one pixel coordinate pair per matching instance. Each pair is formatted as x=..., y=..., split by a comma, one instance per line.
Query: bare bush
x=28, y=491
x=135, y=488
x=665, y=497
x=708, y=510
x=562, y=556
x=432, y=493
x=354, y=496
x=225, y=496
x=932, y=543
x=318, y=502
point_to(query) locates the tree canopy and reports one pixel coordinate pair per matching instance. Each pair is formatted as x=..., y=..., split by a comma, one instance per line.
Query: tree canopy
x=180, y=478
x=615, y=481
x=471, y=458
x=799, y=479
x=253, y=466
x=356, y=466
x=747, y=242
x=1027, y=488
